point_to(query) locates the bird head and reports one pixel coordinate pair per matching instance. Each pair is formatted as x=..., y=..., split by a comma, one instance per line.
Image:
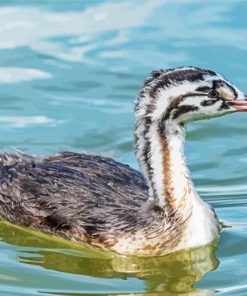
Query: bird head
x=187, y=94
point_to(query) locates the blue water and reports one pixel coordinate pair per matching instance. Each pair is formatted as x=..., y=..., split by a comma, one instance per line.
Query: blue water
x=69, y=73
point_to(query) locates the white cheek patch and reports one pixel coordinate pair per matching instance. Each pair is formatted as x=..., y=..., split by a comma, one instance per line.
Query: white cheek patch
x=197, y=100
x=202, y=112
x=165, y=97
x=193, y=101
x=212, y=109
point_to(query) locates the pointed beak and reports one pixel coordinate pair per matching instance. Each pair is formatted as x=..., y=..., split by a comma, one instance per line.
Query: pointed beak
x=240, y=105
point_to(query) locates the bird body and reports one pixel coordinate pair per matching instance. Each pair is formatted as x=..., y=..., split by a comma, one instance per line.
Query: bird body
x=95, y=200
x=99, y=201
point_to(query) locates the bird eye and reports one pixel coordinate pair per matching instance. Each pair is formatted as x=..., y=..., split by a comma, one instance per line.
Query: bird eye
x=213, y=94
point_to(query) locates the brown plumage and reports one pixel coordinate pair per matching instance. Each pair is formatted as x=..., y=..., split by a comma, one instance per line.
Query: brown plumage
x=82, y=196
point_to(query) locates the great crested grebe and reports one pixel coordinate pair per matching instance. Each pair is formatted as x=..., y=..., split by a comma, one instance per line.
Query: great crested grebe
x=104, y=203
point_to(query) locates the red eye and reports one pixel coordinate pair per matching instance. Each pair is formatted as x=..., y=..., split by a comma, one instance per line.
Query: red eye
x=213, y=94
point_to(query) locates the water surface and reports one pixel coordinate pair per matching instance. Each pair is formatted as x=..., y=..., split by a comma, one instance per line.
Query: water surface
x=69, y=73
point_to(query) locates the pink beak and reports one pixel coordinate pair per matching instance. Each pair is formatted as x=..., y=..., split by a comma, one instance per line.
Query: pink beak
x=239, y=105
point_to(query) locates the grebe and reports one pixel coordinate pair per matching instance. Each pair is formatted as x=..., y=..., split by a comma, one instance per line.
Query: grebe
x=107, y=204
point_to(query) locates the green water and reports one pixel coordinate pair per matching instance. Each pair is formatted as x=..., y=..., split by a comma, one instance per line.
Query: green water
x=69, y=73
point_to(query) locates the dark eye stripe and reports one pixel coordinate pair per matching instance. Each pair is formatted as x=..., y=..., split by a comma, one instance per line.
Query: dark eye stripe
x=184, y=109
x=208, y=102
x=205, y=89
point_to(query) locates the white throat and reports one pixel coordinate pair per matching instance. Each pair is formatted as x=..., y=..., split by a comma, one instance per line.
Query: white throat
x=171, y=187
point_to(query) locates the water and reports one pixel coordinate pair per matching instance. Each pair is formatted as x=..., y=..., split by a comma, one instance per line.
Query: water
x=69, y=73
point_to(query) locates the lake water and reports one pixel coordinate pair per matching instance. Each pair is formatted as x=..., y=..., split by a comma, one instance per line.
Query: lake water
x=69, y=73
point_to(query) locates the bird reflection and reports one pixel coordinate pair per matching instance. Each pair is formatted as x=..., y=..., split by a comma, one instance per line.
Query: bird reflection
x=173, y=274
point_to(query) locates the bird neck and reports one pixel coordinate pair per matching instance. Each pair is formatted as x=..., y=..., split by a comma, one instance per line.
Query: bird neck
x=162, y=159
